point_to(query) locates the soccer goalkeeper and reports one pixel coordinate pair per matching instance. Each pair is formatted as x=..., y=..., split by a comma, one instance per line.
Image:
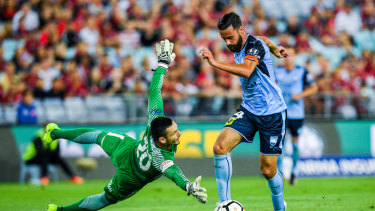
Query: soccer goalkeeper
x=137, y=162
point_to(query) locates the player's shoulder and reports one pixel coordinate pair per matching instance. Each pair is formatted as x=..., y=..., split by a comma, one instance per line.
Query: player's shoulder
x=253, y=46
x=253, y=42
x=280, y=70
x=299, y=67
x=280, y=67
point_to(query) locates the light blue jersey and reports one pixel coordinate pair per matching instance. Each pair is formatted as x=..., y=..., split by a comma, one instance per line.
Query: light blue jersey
x=294, y=82
x=261, y=95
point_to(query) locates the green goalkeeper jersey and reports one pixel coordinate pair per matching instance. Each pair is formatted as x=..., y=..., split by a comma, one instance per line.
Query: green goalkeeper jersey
x=147, y=161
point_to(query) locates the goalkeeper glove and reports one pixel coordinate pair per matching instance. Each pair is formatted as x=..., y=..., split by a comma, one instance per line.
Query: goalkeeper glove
x=164, y=52
x=196, y=190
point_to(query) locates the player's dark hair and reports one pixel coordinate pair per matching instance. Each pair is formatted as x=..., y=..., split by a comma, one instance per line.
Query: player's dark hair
x=159, y=126
x=229, y=19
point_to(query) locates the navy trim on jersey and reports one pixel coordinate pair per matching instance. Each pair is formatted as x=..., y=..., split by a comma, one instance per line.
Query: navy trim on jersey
x=263, y=68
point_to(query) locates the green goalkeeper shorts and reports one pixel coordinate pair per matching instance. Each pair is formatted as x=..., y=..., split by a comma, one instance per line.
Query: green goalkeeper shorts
x=120, y=149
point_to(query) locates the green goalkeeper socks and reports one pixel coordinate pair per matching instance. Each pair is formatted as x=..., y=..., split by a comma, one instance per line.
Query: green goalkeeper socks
x=73, y=207
x=82, y=136
x=94, y=202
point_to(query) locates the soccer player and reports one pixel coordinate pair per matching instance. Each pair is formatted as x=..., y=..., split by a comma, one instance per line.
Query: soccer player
x=137, y=162
x=296, y=83
x=262, y=108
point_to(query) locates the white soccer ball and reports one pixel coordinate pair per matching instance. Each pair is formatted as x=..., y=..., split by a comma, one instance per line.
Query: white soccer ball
x=230, y=205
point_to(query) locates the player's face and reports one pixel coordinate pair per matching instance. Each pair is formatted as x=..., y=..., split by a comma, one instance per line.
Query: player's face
x=232, y=38
x=173, y=134
x=291, y=57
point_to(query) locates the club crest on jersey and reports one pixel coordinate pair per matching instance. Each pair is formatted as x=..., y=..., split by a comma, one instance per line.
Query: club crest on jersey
x=273, y=140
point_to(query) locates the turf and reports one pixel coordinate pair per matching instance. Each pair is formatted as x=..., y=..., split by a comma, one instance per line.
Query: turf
x=163, y=195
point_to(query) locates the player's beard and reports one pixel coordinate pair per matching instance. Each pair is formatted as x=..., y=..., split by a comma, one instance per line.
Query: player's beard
x=235, y=48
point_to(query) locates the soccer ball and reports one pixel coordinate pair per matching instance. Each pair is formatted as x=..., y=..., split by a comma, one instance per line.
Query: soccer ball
x=230, y=205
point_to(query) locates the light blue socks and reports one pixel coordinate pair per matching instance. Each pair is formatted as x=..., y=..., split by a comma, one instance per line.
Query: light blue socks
x=223, y=171
x=295, y=156
x=276, y=187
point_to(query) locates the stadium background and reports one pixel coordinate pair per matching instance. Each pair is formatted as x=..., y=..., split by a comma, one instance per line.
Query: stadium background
x=87, y=63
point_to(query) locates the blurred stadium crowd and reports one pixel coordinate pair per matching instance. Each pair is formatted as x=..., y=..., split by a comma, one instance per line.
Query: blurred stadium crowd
x=80, y=54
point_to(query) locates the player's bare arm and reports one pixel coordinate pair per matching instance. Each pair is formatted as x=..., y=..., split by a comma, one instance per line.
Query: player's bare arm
x=245, y=69
x=306, y=92
x=277, y=50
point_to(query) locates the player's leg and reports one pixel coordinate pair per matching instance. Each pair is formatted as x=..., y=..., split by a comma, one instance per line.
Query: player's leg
x=295, y=156
x=268, y=166
x=281, y=156
x=42, y=162
x=226, y=141
x=110, y=196
x=237, y=129
x=272, y=133
x=296, y=129
x=82, y=136
x=94, y=202
x=57, y=160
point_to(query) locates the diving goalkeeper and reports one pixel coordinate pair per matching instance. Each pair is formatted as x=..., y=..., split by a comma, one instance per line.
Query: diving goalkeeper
x=137, y=162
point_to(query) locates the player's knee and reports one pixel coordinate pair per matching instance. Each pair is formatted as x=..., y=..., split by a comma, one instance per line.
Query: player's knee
x=267, y=172
x=110, y=199
x=220, y=149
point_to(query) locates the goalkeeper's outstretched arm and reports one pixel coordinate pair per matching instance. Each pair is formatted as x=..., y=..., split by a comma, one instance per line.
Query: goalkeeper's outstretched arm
x=155, y=101
x=164, y=52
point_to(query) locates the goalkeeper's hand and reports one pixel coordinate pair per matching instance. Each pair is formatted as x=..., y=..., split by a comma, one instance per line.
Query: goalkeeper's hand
x=196, y=190
x=164, y=52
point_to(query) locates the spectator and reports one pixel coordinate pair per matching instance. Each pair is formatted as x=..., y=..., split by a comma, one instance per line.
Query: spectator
x=368, y=14
x=58, y=89
x=32, y=42
x=313, y=26
x=130, y=36
x=302, y=43
x=90, y=34
x=75, y=85
x=48, y=73
x=8, y=9
x=49, y=36
x=70, y=36
x=26, y=111
x=2, y=61
x=149, y=33
x=348, y=20
x=22, y=60
x=8, y=77
x=115, y=56
x=109, y=35
x=294, y=27
x=31, y=18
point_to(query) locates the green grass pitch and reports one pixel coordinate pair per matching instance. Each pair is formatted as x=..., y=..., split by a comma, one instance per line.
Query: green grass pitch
x=163, y=195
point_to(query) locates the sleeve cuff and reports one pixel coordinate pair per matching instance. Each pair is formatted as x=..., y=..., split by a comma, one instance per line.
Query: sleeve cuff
x=187, y=186
x=162, y=65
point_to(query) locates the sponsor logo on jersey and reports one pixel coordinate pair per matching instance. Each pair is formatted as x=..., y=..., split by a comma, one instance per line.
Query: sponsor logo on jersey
x=238, y=115
x=166, y=164
x=254, y=52
x=157, y=112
